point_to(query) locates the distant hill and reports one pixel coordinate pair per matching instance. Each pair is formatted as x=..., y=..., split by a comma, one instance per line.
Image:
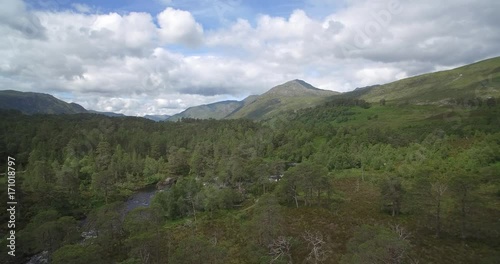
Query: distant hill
x=480, y=79
x=110, y=114
x=157, y=118
x=37, y=103
x=218, y=110
x=291, y=95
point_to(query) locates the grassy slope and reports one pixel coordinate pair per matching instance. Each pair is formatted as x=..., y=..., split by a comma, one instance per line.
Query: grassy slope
x=217, y=110
x=265, y=108
x=481, y=79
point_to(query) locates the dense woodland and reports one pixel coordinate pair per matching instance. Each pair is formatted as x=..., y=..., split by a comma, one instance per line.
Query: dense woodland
x=358, y=183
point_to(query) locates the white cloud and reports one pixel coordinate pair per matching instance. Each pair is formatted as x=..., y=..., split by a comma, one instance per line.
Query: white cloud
x=14, y=16
x=178, y=26
x=378, y=75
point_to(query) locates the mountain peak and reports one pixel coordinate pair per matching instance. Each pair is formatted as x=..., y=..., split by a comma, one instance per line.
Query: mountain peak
x=292, y=95
x=296, y=88
x=302, y=83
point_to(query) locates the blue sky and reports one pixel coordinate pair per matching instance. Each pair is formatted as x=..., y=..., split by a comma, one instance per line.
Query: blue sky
x=210, y=13
x=163, y=56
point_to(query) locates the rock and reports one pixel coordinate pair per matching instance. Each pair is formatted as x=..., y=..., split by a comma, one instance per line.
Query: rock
x=168, y=182
x=40, y=258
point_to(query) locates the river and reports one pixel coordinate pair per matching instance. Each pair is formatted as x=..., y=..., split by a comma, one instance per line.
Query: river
x=141, y=198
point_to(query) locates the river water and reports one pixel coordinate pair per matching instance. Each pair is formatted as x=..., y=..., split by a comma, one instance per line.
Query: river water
x=141, y=198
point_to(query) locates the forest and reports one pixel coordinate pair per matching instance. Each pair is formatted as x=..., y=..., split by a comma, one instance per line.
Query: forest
x=344, y=182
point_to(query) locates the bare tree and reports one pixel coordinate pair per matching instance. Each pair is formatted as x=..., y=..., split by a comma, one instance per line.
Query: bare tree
x=399, y=255
x=280, y=248
x=191, y=200
x=316, y=244
x=293, y=188
x=438, y=190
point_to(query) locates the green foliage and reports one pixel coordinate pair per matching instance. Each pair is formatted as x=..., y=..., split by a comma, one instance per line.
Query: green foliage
x=107, y=224
x=77, y=254
x=142, y=220
x=49, y=231
x=198, y=250
x=267, y=220
x=307, y=181
x=373, y=244
x=392, y=192
x=145, y=236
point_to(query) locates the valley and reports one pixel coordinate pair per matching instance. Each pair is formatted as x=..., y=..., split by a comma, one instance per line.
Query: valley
x=364, y=174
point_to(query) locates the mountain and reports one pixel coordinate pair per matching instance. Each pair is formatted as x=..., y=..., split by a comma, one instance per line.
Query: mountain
x=37, y=103
x=250, y=99
x=292, y=95
x=477, y=80
x=110, y=114
x=295, y=88
x=218, y=110
x=157, y=118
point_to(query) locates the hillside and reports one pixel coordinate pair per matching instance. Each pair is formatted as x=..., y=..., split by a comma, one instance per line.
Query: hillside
x=37, y=103
x=217, y=110
x=477, y=80
x=292, y=95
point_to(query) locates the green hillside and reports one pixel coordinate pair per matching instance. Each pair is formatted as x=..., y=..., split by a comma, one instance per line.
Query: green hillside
x=289, y=96
x=37, y=103
x=477, y=80
x=216, y=110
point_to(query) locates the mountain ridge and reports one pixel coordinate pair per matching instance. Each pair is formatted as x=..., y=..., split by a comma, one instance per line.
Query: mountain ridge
x=477, y=80
x=469, y=82
x=217, y=110
x=37, y=103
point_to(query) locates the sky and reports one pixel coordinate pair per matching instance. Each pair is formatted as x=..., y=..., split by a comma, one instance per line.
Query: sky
x=140, y=57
